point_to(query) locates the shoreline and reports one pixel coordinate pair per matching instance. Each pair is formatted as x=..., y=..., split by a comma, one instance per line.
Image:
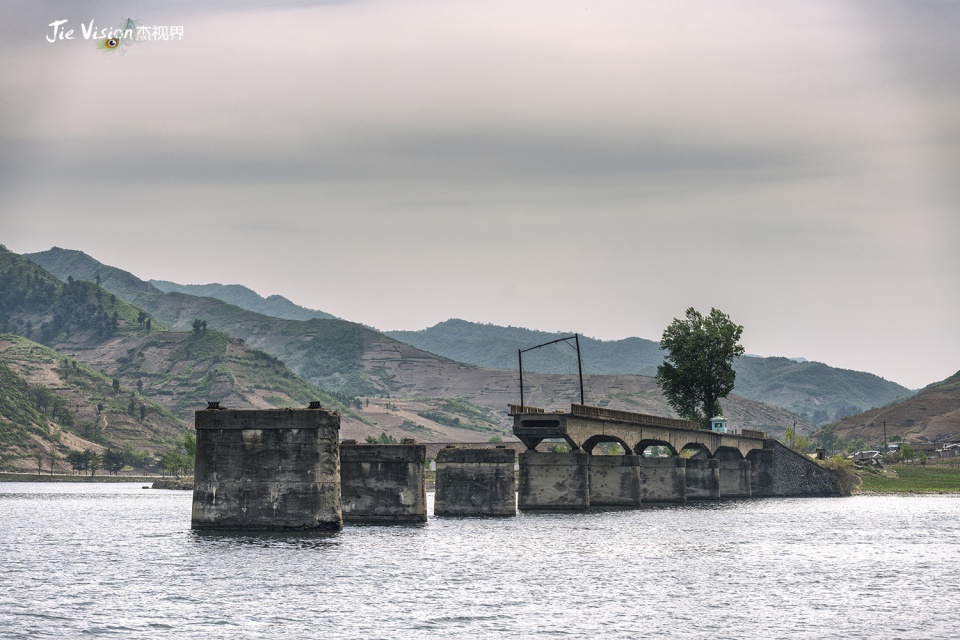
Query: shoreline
x=6, y=476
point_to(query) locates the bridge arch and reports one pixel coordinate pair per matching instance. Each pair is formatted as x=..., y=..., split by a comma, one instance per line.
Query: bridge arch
x=728, y=453
x=643, y=445
x=696, y=450
x=593, y=441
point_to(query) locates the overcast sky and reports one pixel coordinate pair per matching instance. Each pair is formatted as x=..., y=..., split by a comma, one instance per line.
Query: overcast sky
x=595, y=167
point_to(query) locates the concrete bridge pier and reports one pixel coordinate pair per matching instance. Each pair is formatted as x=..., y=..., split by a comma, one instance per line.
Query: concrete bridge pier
x=267, y=469
x=735, y=479
x=383, y=483
x=663, y=479
x=554, y=481
x=614, y=481
x=475, y=482
x=703, y=479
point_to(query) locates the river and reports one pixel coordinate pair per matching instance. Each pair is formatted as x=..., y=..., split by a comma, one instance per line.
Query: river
x=116, y=560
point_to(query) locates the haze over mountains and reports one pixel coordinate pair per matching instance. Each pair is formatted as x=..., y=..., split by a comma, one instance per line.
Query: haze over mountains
x=352, y=360
x=814, y=391
x=331, y=354
x=172, y=351
x=276, y=306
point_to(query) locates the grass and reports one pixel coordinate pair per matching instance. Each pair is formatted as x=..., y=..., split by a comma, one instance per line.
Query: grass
x=933, y=477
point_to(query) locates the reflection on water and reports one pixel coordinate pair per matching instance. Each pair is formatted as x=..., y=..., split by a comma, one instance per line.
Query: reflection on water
x=117, y=560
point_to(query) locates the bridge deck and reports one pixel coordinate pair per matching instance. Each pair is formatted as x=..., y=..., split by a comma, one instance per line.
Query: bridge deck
x=584, y=427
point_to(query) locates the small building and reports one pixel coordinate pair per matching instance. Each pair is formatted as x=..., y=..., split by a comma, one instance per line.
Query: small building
x=718, y=424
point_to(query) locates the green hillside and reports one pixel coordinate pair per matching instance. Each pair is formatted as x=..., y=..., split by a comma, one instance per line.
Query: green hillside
x=488, y=345
x=327, y=353
x=56, y=403
x=275, y=306
x=111, y=374
x=19, y=416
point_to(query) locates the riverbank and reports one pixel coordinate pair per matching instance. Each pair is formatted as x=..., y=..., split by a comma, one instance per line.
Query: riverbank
x=33, y=477
x=939, y=477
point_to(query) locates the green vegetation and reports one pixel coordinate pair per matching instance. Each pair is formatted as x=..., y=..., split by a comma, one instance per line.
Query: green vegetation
x=935, y=477
x=698, y=368
x=75, y=399
x=18, y=414
x=844, y=471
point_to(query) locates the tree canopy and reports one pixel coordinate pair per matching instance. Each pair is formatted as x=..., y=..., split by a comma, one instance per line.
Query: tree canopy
x=698, y=368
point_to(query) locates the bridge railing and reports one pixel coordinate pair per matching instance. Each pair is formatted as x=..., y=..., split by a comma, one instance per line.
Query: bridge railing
x=522, y=408
x=750, y=433
x=629, y=416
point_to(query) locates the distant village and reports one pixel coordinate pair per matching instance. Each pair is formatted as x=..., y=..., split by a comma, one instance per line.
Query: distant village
x=909, y=452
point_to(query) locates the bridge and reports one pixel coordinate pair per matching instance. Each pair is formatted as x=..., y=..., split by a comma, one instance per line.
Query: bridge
x=584, y=427
x=704, y=465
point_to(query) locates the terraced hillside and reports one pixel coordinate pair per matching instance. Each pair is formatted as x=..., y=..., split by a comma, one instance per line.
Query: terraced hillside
x=933, y=415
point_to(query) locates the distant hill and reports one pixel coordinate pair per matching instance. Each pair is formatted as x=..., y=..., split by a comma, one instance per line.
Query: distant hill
x=495, y=347
x=275, y=306
x=327, y=353
x=51, y=398
x=932, y=415
x=352, y=360
x=110, y=374
x=814, y=391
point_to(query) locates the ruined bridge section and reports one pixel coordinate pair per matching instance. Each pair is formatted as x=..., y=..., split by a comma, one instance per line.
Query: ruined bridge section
x=585, y=427
x=723, y=465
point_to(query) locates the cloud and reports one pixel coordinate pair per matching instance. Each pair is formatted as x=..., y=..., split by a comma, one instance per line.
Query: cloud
x=755, y=156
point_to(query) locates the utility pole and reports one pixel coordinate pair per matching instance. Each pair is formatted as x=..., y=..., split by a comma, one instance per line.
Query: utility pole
x=884, y=435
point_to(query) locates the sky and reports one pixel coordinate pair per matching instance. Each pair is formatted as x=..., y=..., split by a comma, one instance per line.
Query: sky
x=593, y=167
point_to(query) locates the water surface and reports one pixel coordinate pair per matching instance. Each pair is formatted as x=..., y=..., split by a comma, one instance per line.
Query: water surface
x=83, y=560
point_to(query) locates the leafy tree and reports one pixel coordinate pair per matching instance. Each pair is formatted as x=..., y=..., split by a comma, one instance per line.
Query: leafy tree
x=173, y=462
x=383, y=438
x=139, y=386
x=113, y=461
x=79, y=460
x=94, y=461
x=116, y=385
x=698, y=368
x=190, y=445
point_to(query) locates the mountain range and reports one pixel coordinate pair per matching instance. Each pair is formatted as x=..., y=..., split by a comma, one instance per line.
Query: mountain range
x=814, y=391
x=168, y=350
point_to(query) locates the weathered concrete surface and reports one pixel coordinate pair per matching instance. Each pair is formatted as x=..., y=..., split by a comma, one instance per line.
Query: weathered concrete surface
x=383, y=483
x=779, y=471
x=554, y=481
x=267, y=470
x=663, y=479
x=475, y=482
x=614, y=481
x=585, y=426
x=703, y=479
x=734, y=478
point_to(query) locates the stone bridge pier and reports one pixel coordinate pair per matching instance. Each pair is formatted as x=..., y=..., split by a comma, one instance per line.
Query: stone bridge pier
x=701, y=465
